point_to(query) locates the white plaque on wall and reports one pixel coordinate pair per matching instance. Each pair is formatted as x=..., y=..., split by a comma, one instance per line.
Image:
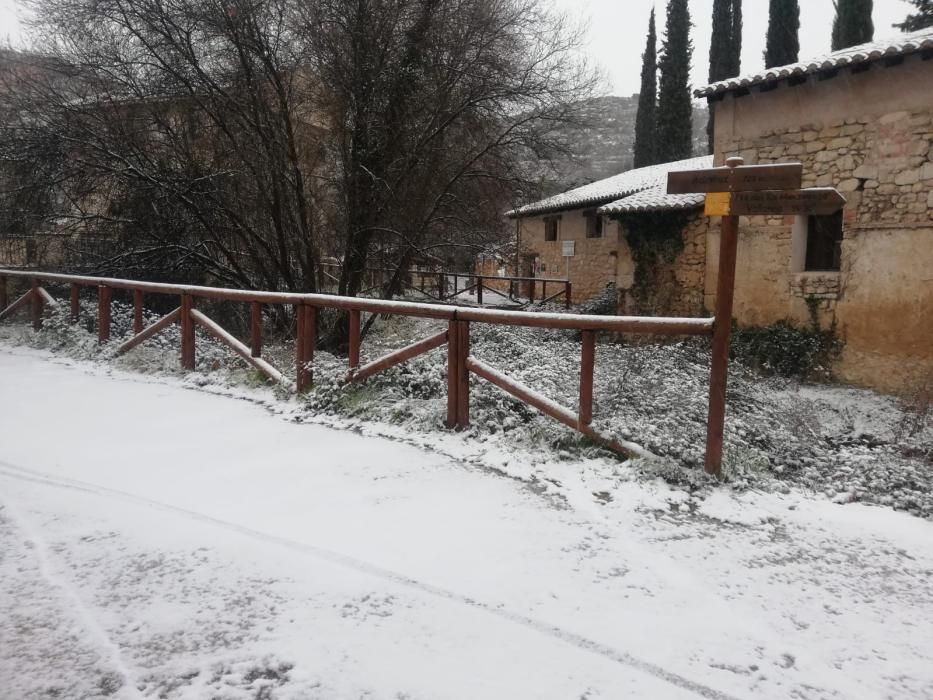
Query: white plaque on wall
x=568, y=248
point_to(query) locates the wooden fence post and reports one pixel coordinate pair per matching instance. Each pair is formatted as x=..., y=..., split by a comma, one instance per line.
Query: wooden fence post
x=722, y=329
x=587, y=361
x=4, y=298
x=463, y=375
x=567, y=294
x=75, y=302
x=137, y=311
x=36, y=306
x=531, y=293
x=453, y=372
x=354, y=354
x=255, y=329
x=305, y=341
x=103, y=313
x=187, y=333
x=479, y=290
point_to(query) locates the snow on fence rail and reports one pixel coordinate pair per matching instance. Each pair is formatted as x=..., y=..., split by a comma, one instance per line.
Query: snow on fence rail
x=457, y=337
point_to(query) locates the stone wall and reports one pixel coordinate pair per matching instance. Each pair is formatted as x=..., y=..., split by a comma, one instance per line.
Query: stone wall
x=870, y=135
x=594, y=264
x=675, y=284
x=672, y=287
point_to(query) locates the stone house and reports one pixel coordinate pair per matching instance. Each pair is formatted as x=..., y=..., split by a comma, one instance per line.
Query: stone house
x=860, y=120
x=584, y=235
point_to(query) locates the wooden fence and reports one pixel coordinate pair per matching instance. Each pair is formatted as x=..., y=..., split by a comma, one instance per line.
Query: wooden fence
x=445, y=286
x=457, y=338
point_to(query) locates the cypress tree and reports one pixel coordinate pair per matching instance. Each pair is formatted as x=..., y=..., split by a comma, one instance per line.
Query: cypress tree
x=675, y=110
x=852, y=24
x=783, y=42
x=922, y=19
x=735, y=45
x=719, y=49
x=645, y=119
x=723, y=54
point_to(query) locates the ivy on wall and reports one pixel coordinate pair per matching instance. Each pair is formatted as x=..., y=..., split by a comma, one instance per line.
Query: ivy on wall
x=655, y=239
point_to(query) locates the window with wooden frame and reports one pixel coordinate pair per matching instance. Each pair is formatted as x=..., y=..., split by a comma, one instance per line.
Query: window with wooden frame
x=550, y=228
x=824, y=243
x=594, y=224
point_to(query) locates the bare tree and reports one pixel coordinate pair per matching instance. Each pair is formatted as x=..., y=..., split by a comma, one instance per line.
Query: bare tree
x=435, y=104
x=182, y=138
x=241, y=141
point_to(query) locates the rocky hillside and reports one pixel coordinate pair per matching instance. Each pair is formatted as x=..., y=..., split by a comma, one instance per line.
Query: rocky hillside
x=603, y=147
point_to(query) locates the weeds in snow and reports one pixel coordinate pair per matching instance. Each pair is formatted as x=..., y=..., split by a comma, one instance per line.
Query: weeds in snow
x=851, y=445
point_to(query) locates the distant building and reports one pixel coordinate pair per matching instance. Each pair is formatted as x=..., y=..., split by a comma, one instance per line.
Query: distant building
x=579, y=235
x=860, y=120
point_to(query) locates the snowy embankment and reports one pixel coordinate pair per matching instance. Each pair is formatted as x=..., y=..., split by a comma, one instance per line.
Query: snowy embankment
x=157, y=542
x=848, y=445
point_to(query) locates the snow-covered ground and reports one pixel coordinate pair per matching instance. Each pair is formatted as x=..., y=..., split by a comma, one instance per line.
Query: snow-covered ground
x=163, y=542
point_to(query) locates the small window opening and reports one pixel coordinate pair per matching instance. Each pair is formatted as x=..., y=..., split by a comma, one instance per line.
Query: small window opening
x=550, y=229
x=824, y=243
x=594, y=224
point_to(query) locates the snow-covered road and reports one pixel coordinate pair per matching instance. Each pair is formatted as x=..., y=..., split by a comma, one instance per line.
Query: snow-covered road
x=161, y=542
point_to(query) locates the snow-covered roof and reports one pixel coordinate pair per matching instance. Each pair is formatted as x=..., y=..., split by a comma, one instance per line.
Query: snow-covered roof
x=610, y=189
x=900, y=45
x=653, y=199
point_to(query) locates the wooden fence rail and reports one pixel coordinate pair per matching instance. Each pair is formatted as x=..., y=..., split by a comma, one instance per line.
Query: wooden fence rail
x=460, y=363
x=479, y=284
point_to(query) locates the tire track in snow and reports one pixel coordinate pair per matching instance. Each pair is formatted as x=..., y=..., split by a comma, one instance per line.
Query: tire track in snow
x=580, y=642
x=110, y=648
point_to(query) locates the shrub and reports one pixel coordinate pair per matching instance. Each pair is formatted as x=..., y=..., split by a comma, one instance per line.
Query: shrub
x=786, y=350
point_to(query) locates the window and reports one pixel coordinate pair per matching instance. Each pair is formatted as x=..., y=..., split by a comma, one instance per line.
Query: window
x=550, y=228
x=594, y=224
x=824, y=243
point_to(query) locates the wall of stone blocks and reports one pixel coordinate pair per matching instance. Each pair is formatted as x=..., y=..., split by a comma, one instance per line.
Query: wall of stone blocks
x=678, y=284
x=870, y=135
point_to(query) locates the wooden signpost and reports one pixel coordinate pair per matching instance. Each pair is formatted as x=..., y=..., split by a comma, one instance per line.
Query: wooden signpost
x=733, y=191
x=816, y=200
x=747, y=178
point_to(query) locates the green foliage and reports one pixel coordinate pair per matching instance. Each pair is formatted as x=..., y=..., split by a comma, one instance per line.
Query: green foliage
x=725, y=48
x=783, y=41
x=654, y=238
x=646, y=118
x=735, y=53
x=720, y=52
x=786, y=350
x=852, y=24
x=921, y=19
x=675, y=108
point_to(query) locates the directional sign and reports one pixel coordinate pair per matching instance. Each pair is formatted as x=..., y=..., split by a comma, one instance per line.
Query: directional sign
x=718, y=204
x=814, y=200
x=745, y=178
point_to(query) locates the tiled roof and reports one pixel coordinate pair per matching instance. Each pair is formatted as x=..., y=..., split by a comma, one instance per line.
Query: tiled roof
x=897, y=46
x=612, y=188
x=654, y=199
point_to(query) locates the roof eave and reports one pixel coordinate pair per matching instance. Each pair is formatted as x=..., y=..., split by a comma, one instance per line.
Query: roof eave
x=780, y=74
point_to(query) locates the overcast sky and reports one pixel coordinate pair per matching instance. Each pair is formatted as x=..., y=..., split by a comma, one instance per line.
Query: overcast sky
x=616, y=32
x=618, y=28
